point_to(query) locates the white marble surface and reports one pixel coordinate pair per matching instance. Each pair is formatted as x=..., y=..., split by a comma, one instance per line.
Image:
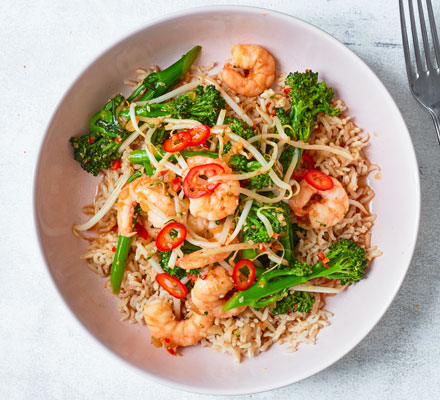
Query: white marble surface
x=44, y=353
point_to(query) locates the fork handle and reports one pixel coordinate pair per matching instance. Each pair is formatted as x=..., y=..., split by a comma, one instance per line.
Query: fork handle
x=435, y=114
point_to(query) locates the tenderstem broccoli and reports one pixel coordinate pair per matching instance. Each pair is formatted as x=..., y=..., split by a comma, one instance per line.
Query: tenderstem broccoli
x=241, y=164
x=309, y=98
x=202, y=104
x=99, y=148
x=294, y=302
x=347, y=263
x=254, y=231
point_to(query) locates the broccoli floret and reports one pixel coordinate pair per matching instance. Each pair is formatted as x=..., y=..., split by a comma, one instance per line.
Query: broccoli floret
x=283, y=116
x=238, y=162
x=202, y=104
x=227, y=147
x=294, y=302
x=346, y=262
x=240, y=128
x=279, y=217
x=301, y=269
x=309, y=97
x=254, y=230
x=287, y=156
x=176, y=271
x=99, y=149
x=241, y=164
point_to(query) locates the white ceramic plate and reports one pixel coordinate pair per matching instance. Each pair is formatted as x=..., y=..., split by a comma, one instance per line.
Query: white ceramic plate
x=62, y=188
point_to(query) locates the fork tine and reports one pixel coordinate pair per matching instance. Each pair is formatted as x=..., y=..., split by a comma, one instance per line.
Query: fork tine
x=415, y=38
x=425, y=37
x=433, y=32
x=409, y=70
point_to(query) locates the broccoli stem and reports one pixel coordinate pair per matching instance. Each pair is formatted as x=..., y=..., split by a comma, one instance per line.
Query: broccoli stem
x=140, y=156
x=134, y=176
x=249, y=254
x=187, y=154
x=347, y=263
x=118, y=266
x=158, y=83
x=256, y=295
x=121, y=254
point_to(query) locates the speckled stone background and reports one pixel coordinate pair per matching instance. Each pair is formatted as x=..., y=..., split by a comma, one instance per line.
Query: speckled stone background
x=44, y=353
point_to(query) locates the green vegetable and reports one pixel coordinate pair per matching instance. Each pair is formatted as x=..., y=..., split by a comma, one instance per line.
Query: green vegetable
x=309, y=98
x=254, y=230
x=98, y=149
x=240, y=128
x=118, y=266
x=176, y=271
x=120, y=258
x=202, y=104
x=297, y=301
x=226, y=147
x=159, y=136
x=347, y=263
x=140, y=156
x=241, y=164
x=134, y=176
x=158, y=83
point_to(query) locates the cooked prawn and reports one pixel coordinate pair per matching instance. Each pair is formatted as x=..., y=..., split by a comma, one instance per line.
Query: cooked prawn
x=171, y=332
x=197, y=260
x=208, y=294
x=151, y=198
x=206, y=229
x=222, y=201
x=325, y=213
x=259, y=64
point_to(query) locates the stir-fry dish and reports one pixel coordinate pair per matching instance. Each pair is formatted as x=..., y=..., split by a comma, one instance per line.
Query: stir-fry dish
x=231, y=205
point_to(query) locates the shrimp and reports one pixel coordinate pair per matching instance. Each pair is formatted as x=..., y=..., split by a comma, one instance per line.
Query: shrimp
x=326, y=212
x=197, y=260
x=152, y=199
x=208, y=230
x=204, y=228
x=222, y=201
x=171, y=332
x=208, y=294
x=259, y=64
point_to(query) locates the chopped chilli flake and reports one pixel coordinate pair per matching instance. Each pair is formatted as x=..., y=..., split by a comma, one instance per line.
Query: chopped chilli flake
x=286, y=90
x=91, y=139
x=171, y=351
x=116, y=164
x=324, y=259
x=118, y=140
x=114, y=249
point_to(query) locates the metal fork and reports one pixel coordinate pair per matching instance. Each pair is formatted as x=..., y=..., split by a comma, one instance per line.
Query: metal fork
x=424, y=76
